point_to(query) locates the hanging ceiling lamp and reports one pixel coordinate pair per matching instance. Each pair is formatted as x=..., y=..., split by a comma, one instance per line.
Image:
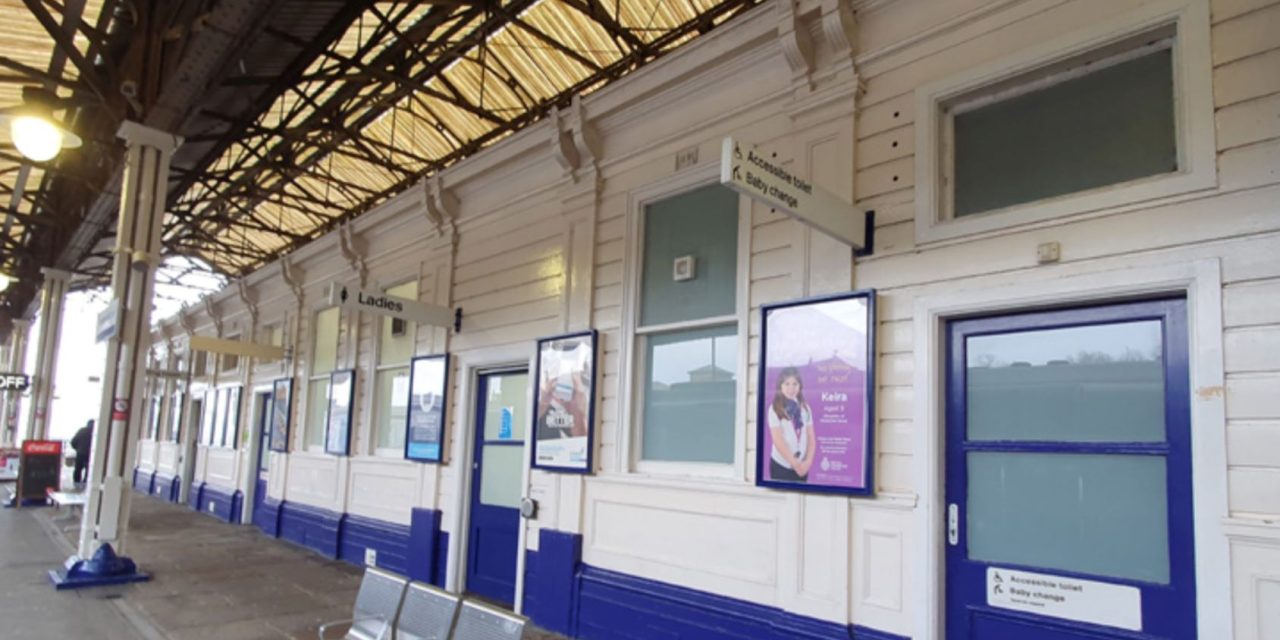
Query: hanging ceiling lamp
x=34, y=130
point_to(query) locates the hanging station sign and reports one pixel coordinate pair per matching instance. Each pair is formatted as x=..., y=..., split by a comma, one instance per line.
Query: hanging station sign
x=746, y=170
x=257, y=351
x=391, y=306
x=14, y=381
x=815, y=394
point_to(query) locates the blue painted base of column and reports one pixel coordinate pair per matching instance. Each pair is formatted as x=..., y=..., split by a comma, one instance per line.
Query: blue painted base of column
x=141, y=481
x=194, y=498
x=550, y=580
x=267, y=517
x=105, y=567
x=429, y=547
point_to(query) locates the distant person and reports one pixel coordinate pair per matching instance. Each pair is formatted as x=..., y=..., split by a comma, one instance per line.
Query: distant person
x=82, y=443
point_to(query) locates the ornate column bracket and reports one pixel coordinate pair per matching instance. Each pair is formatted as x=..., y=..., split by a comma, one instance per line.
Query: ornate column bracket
x=242, y=290
x=840, y=28
x=440, y=205
x=353, y=252
x=293, y=277
x=214, y=314
x=797, y=45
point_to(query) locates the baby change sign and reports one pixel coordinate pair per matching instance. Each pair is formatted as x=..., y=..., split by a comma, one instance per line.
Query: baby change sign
x=814, y=412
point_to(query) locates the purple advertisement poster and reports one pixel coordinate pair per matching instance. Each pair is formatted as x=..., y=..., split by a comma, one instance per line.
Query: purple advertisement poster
x=814, y=406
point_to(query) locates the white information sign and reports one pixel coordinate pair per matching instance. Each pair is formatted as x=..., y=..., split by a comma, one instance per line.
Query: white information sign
x=745, y=170
x=392, y=306
x=1113, y=605
x=108, y=321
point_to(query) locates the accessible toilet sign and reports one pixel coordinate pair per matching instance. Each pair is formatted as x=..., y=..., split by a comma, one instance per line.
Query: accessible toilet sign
x=391, y=306
x=1113, y=605
x=746, y=170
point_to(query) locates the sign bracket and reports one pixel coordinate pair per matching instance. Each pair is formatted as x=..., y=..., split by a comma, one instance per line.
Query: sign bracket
x=869, y=248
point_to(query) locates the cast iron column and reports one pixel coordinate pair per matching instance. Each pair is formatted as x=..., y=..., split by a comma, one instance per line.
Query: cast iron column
x=10, y=401
x=53, y=297
x=136, y=257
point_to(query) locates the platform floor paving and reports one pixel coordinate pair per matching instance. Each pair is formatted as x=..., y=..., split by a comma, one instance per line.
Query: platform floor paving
x=210, y=580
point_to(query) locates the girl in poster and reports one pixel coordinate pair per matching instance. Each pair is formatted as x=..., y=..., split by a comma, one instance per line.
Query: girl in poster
x=791, y=427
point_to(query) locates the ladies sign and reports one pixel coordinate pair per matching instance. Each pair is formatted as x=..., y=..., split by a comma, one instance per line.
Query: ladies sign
x=815, y=398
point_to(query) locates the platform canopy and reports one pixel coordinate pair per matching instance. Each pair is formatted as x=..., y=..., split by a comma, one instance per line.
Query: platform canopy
x=297, y=114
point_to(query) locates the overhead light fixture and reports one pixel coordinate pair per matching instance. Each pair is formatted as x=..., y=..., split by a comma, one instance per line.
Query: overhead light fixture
x=34, y=130
x=4, y=281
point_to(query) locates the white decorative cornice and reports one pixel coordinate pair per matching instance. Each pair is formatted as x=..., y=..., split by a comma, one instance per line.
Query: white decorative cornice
x=840, y=28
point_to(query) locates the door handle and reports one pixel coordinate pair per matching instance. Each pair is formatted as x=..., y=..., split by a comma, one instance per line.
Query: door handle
x=953, y=524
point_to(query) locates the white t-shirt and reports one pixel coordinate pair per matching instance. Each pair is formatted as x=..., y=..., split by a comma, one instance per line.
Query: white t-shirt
x=797, y=444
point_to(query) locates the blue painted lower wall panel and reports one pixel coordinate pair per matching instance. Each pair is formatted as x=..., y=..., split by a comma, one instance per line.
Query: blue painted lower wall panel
x=267, y=517
x=390, y=540
x=221, y=502
x=165, y=487
x=566, y=596
x=312, y=527
x=141, y=481
x=428, y=547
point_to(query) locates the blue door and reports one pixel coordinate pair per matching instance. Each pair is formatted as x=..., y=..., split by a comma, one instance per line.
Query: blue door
x=1068, y=475
x=496, y=485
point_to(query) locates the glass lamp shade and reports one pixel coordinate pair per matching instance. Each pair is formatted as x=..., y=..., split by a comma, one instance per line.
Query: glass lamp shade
x=36, y=137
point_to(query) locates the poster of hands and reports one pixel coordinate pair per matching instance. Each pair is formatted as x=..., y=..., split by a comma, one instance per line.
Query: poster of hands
x=815, y=401
x=564, y=402
x=427, y=391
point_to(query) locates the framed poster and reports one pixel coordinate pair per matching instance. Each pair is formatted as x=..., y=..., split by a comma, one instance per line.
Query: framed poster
x=428, y=389
x=281, y=397
x=815, y=400
x=208, y=409
x=564, y=402
x=176, y=413
x=342, y=393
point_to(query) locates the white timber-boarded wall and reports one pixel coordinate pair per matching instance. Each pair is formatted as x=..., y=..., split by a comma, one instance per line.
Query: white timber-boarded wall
x=533, y=245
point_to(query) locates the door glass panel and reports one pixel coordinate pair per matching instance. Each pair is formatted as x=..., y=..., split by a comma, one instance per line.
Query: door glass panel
x=1096, y=514
x=506, y=408
x=1101, y=383
x=500, y=475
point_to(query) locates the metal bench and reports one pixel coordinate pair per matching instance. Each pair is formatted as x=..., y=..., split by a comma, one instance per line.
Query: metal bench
x=428, y=613
x=73, y=501
x=377, y=606
x=478, y=621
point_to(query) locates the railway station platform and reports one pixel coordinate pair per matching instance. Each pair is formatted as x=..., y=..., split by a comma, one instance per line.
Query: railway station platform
x=209, y=580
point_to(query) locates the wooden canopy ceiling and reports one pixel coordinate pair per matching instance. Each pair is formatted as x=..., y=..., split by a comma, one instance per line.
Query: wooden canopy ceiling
x=297, y=114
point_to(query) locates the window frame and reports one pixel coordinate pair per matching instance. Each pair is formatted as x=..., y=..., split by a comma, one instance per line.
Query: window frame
x=395, y=453
x=1184, y=22
x=314, y=376
x=632, y=358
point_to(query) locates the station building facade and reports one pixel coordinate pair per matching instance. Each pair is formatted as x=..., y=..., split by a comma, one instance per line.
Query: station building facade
x=1075, y=353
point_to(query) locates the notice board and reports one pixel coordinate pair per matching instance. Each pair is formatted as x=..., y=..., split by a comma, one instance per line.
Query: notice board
x=41, y=469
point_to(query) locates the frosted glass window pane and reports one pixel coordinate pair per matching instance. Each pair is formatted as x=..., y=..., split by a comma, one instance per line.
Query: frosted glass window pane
x=690, y=385
x=508, y=392
x=1101, y=383
x=396, y=348
x=1097, y=514
x=702, y=223
x=500, y=475
x=324, y=350
x=391, y=393
x=1110, y=126
x=317, y=406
